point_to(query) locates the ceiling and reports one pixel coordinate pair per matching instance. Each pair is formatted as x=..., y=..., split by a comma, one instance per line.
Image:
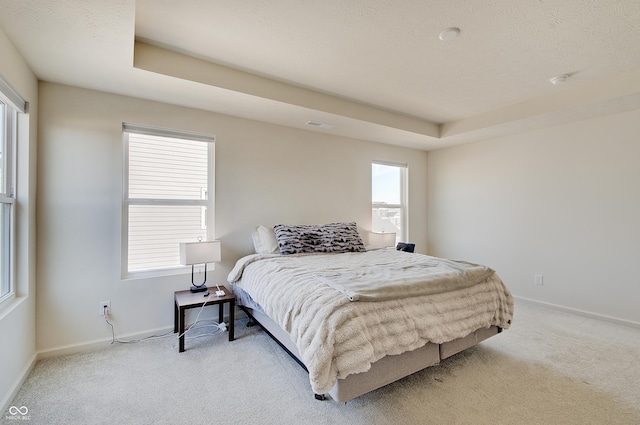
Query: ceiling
x=370, y=69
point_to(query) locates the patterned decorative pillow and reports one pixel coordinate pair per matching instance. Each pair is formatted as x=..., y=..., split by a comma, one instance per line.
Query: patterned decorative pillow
x=333, y=237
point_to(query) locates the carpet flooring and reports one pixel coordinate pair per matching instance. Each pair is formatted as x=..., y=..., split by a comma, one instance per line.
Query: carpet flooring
x=551, y=367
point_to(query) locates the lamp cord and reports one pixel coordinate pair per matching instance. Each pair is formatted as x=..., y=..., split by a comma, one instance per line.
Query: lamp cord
x=166, y=334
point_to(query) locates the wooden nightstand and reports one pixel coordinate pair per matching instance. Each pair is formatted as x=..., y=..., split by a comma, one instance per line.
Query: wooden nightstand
x=185, y=300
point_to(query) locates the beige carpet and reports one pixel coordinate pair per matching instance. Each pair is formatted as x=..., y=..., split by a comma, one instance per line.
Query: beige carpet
x=549, y=368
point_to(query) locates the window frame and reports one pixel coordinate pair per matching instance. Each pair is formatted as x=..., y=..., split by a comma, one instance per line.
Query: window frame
x=403, y=206
x=9, y=140
x=127, y=202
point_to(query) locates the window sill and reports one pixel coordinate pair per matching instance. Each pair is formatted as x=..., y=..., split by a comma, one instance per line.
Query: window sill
x=147, y=274
x=10, y=304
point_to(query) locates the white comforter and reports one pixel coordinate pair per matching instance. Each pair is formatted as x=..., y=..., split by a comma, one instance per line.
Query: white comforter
x=337, y=337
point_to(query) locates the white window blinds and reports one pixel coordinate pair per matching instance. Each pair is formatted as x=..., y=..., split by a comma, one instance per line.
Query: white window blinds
x=168, y=196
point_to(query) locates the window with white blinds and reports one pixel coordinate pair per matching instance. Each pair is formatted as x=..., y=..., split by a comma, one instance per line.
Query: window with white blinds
x=167, y=196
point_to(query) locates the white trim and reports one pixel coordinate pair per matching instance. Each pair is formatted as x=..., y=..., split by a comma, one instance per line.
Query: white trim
x=403, y=206
x=166, y=271
x=9, y=303
x=102, y=343
x=390, y=163
x=128, y=202
x=13, y=96
x=167, y=132
x=124, y=216
x=169, y=202
x=9, y=141
x=383, y=205
x=579, y=312
x=11, y=394
x=5, y=300
x=211, y=193
x=99, y=344
x=404, y=183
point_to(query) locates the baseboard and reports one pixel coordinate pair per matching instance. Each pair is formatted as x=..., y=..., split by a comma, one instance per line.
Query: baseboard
x=98, y=344
x=579, y=312
x=82, y=347
x=6, y=402
x=102, y=343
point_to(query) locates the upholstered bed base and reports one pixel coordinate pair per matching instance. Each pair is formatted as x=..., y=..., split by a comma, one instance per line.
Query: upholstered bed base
x=386, y=370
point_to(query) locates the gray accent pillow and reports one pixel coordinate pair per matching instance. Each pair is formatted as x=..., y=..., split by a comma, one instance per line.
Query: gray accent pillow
x=332, y=237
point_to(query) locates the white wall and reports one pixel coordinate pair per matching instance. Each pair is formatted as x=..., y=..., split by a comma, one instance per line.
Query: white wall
x=17, y=317
x=265, y=174
x=563, y=202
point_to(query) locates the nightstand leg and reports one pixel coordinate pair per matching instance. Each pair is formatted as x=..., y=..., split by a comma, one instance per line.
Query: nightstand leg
x=175, y=317
x=232, y=319
x=220, y=312
x=181, y=330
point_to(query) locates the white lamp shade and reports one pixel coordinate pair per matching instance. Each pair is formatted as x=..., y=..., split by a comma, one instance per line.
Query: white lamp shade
x=381, y=240
x=199, y=252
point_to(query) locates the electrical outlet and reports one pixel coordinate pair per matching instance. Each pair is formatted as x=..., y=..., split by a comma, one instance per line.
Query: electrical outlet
x=105, y=305
x=538, y=279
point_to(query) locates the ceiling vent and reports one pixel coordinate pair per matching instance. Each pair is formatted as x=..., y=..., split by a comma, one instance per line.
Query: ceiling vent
x=318, y=124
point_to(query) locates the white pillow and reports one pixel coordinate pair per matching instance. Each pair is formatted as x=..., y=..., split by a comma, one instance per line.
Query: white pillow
x=264, y=241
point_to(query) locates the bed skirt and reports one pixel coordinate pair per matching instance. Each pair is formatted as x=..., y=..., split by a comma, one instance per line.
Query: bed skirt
x=386, y=370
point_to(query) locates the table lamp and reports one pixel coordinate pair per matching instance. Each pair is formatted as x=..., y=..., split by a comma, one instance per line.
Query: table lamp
x=381, y=240
x=201, y=252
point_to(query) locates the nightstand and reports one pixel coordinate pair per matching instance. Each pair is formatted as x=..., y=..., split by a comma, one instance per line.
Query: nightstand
x=185, y=300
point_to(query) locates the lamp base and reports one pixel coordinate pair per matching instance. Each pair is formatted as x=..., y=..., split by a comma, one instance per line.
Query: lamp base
x=198, y=288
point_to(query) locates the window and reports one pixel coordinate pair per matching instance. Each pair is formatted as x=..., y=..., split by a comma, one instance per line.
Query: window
x=389, y=199
x=8, y=135
x=168, y=187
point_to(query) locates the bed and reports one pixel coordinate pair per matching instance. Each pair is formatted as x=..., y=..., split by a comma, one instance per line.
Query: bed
x=359, y=319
